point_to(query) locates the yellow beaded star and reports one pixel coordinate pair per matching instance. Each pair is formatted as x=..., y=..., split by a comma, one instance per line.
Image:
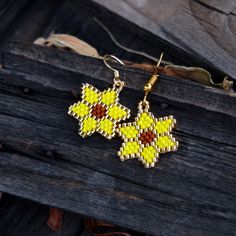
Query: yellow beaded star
x=146, y=138
x=98, y=111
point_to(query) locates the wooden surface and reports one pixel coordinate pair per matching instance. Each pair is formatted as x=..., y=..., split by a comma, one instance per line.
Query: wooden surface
x=72, y=14
x=29, y=23
x=23, y=217
x=203, y=29
x=9, y=11
x=191, y=192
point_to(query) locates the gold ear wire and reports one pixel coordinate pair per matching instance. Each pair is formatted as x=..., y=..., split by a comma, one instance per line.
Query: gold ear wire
x=107, y=57
x=148, y=87
x=118, y=83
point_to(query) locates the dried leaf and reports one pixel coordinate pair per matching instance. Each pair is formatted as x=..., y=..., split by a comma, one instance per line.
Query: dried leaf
x=226, y=84
x=68, y=42
x=190, y=73
x=55, y=219
x=196, y=74
x=145, y=67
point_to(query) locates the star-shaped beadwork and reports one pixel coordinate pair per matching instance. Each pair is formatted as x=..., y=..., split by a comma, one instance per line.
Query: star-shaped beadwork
x=98, y=111
x=146, y=137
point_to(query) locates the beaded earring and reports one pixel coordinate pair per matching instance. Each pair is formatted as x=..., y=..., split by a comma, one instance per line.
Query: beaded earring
x=100, y=111
x=147, y=136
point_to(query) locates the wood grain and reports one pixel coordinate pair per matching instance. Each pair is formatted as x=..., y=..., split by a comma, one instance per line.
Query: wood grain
x=191, y=192
x=24, y=217
x=203, y=29
x=29, y=19
x=9, y=10
x=73, y=14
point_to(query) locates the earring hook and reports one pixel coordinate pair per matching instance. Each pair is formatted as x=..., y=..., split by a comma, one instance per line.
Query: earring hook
x=160, y=59
x=107, y=57
x=148, y=87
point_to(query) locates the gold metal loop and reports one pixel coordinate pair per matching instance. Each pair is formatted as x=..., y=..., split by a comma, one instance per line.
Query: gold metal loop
x=148, y=87
x=106, y=58
x=118, y=85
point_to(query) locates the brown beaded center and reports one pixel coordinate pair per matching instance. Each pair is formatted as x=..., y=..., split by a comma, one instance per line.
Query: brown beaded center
x=147, y=137
x=99, y=111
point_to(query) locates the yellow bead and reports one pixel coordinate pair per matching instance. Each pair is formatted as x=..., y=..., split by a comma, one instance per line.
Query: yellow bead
x=90, y=95
x=148, y=153
x=165, y=142
x=163, y=126
x=117, y=112
x=107, y=126
x=145, y=120
x=108, y=97
x=130, y=148
x=129, y=131
x=88, y=125
x=80, y=109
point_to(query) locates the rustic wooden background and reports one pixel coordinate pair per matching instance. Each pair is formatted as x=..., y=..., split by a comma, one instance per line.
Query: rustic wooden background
x=192, y=191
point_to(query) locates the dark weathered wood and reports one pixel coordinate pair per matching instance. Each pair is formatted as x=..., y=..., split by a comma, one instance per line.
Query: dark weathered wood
x=73, y=14
x=23, y=217
x=203, y=29
x=29, y=23
x=191, y=192
x=8, y=12
x=77, y=19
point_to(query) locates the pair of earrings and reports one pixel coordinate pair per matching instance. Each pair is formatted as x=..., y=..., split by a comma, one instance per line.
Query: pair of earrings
x=101, y=112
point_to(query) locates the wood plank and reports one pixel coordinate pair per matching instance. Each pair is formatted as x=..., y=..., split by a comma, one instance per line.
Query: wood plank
x=174, y=92
x=30, y=22
x=20, y=216
x=203, y=29
x=108, y=197
x=9, y=11
x=73, y=13
x=191, y=192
